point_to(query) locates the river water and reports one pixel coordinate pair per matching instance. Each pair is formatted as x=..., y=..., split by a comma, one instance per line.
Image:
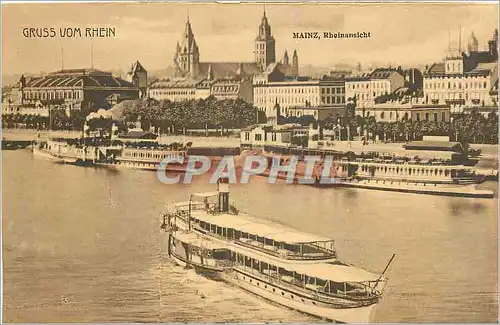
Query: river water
x=84, y=245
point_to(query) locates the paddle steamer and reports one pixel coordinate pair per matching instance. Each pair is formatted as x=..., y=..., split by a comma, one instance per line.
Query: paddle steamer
x=295, y=269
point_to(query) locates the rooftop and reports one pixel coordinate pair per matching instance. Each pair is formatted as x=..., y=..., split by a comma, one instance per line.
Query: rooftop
x=180, y=83
x=434, y=145
x=77, y=78
x=246, y=223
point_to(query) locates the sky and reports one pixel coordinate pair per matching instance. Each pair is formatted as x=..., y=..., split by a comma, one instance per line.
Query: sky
x=401, y=34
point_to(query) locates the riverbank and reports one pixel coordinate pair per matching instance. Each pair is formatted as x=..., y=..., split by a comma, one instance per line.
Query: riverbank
x=489, y=152
x=198, y=141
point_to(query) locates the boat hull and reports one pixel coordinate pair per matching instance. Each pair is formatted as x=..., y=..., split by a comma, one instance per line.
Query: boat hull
x=209, y=272
x=421, y=188
x=45, y=154
x=272, y=291
x=290, y=299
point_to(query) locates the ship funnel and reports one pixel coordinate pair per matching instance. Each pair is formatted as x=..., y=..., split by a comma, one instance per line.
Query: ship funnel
x=223, y=188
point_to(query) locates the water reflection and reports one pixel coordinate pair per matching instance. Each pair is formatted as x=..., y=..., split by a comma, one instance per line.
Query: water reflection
x=84, y=245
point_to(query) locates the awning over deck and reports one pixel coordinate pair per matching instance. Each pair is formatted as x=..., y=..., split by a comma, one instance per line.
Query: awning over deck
x=325, y=271
x=336, y=273
x=193, y=239
x=245, y=223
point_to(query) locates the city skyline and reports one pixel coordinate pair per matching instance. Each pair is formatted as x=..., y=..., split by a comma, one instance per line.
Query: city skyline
x=227, y=32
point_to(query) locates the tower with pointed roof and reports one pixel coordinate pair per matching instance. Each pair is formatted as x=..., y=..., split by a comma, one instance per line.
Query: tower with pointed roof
x=295, y=64
x=138, y=76
x=187, y=55
x=286, y=60
x=473, y=45
x=265, y=52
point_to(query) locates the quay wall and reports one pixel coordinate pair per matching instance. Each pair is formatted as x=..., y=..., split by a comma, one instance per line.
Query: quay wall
x=489, y=151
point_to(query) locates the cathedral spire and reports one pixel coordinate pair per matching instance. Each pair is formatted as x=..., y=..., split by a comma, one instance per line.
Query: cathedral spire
x=264, y=44
x=295, y=64
x=286, y=60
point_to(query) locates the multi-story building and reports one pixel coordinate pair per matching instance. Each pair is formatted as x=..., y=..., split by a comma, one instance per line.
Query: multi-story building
x=179, y=89
x=369, y=88
x=74, y=89
x=233, y=88
x=384, y=81
x=464, y=79
x=297, y=95
x=11, y=100
x=392, y=112
x=358, y=86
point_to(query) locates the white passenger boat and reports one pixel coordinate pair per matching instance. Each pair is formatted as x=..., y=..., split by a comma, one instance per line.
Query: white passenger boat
x=295, y=269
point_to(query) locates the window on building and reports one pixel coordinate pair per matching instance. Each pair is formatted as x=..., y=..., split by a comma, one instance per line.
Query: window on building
x=435, y=117
x=417, y=116
x=258, y=137
x=426, y=116
x=247, y=136
x=443, y=116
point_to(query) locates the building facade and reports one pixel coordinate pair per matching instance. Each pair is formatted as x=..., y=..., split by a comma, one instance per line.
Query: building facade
x=179, y=89
x=297, y=95
x=138, y=76
x=393, y=112
x=11, y=100
x=74, y=89
x=367, y=88
x=464, y=79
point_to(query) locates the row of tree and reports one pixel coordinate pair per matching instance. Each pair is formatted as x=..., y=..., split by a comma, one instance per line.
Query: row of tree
x=58, y=120
x=170, y=117
x=465, y=128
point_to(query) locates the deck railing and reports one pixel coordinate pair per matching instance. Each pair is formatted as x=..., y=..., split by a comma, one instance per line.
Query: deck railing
x=318, y=294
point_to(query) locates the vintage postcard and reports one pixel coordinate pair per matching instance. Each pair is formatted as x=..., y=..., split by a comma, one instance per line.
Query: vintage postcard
x=250, y=162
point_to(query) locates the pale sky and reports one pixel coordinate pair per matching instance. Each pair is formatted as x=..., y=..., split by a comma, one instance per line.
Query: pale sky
x=402, y=34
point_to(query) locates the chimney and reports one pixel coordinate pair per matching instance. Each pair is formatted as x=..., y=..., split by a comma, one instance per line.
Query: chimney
x=223, y=189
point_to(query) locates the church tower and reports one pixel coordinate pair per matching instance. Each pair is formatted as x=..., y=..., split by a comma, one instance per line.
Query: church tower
x=187, y=54
x=286, y=61
x=473, y=45
x=138, y=76
x=265, y=53
x=295, y=64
